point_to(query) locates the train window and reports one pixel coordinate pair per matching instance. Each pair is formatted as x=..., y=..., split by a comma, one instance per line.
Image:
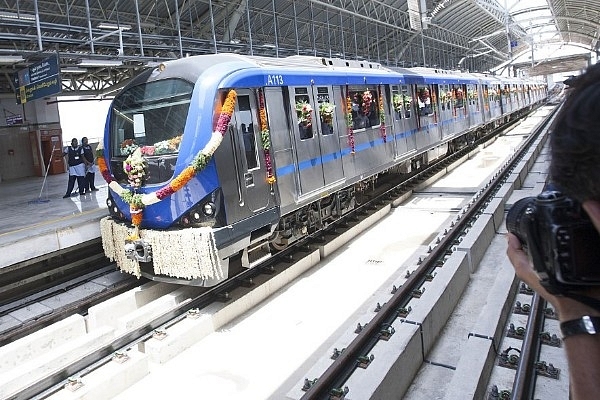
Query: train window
x=397, y=103
x=424, y=101
x=407, y=99
x=486, y=96
x=326, y=110
x=365, y=106
x=304, y=113
x=445, y=97
x=473, y=96
x=458, y=95
x=245, y=125
x=151, y=116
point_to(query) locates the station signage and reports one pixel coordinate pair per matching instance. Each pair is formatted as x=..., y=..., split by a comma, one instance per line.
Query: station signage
x=39, y=80
x=14, y=119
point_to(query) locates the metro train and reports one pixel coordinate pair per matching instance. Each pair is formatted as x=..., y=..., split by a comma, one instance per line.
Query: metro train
x=224, y=159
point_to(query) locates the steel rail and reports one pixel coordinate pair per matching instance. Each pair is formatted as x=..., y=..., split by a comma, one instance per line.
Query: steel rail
x=347, y=361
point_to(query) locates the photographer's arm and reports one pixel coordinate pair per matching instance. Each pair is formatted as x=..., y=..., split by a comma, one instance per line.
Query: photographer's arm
x=583, y=351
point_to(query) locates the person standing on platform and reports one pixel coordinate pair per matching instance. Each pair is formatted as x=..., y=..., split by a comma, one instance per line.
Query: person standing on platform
x=90, y=170
x=77, y=165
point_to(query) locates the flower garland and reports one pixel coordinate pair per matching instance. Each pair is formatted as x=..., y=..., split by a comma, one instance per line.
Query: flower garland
x=163, y=147
x=304, y=112
x=138, y=201
x=407, y=102
x=382, y=117
x=397, y=102
x=127, y=147
x=265, y=137
x=349, y=122
x=367, y=99
x=136, y=168
x=326, y=112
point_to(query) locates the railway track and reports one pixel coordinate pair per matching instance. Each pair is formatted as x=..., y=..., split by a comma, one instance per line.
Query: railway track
x=45, y=290
x=225, y=294
x=459, y=368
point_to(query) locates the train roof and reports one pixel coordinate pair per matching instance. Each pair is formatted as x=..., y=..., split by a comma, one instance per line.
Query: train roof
x=234, y=70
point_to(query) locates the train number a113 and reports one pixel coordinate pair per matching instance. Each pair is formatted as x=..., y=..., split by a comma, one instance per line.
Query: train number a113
x=274, y=80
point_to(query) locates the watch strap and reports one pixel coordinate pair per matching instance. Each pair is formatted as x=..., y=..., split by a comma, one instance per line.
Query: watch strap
x=584, y=325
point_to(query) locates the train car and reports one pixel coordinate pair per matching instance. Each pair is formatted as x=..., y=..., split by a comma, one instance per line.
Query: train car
x=220, y=160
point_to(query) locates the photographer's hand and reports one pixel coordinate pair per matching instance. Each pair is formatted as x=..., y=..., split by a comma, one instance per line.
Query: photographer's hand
x=583, y=351
x=566, y=308
x=592, y=208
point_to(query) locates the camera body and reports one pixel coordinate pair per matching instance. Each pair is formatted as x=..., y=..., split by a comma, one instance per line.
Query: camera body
x=560, y=239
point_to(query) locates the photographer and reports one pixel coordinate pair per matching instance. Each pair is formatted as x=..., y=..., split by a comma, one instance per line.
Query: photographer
x=575, y=169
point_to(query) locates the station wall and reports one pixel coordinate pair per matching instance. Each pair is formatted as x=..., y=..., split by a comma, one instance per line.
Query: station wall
x=17, y=151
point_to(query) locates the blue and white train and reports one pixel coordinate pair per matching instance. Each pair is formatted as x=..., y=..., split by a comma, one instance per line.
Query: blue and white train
x=305, y=137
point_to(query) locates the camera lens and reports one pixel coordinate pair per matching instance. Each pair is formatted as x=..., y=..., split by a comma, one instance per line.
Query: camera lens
x=515, y=220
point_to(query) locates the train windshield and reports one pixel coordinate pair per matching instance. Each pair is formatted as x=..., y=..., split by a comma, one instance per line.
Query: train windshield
x=150, y=116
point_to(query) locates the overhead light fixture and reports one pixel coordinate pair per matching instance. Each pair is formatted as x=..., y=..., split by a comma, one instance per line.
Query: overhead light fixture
x=110, y=25
x=10, y=59
x=17, y=16
x=99, y=63
x=73, y=70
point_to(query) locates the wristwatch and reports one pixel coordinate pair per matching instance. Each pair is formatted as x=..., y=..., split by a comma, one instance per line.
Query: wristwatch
x=584, y=325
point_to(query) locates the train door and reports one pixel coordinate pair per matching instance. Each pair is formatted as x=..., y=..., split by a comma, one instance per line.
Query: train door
x=459, y=110
x=506, y=106
x=485, y=96
x=254, y=191
x=446, y=117
x=427, y=127
x=474, y=105
x=400, y=117
x=316, y=141
x=410, y=120
x=499, y=107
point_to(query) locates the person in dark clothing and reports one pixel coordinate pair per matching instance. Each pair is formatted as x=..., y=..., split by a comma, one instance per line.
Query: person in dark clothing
x=575, y=157
x=90, y=170
x=77, y=164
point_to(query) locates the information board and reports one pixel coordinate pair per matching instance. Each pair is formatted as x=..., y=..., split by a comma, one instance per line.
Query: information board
x=38, y=80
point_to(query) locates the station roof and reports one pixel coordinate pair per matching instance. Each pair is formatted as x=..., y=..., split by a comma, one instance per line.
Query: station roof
x=101, y=44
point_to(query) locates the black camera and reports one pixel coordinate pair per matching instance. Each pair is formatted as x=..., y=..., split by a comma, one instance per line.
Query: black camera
x=560, y=239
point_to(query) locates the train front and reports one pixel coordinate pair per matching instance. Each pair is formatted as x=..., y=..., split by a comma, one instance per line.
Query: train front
x=165, y=199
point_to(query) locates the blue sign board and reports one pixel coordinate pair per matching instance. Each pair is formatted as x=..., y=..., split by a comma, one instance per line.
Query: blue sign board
x=38, y=80
x=14, y=119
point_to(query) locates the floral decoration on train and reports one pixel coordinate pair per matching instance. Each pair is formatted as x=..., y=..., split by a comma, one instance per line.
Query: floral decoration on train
x=397, y=102
x=349, y=122
x=326, y=111
x=162, y=147
x=136, y=168
x=304, y=112
x=127, y=147
x=367, y=99
x=265, y=137
x=137, y=201
x=382, y=116
x=407, y=102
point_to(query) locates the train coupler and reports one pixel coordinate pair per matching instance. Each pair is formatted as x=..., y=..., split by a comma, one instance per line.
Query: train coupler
x=138, y=250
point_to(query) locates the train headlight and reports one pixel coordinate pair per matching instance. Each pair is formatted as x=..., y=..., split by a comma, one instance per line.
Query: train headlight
x=208, y=209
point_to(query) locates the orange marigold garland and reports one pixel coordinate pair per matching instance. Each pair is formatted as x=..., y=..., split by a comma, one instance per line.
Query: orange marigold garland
x=137, y=201
x=382, y=117
x=349, y=121
x=265, y=137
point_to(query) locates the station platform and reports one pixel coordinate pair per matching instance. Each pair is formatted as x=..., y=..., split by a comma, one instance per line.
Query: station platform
x=36, y=220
